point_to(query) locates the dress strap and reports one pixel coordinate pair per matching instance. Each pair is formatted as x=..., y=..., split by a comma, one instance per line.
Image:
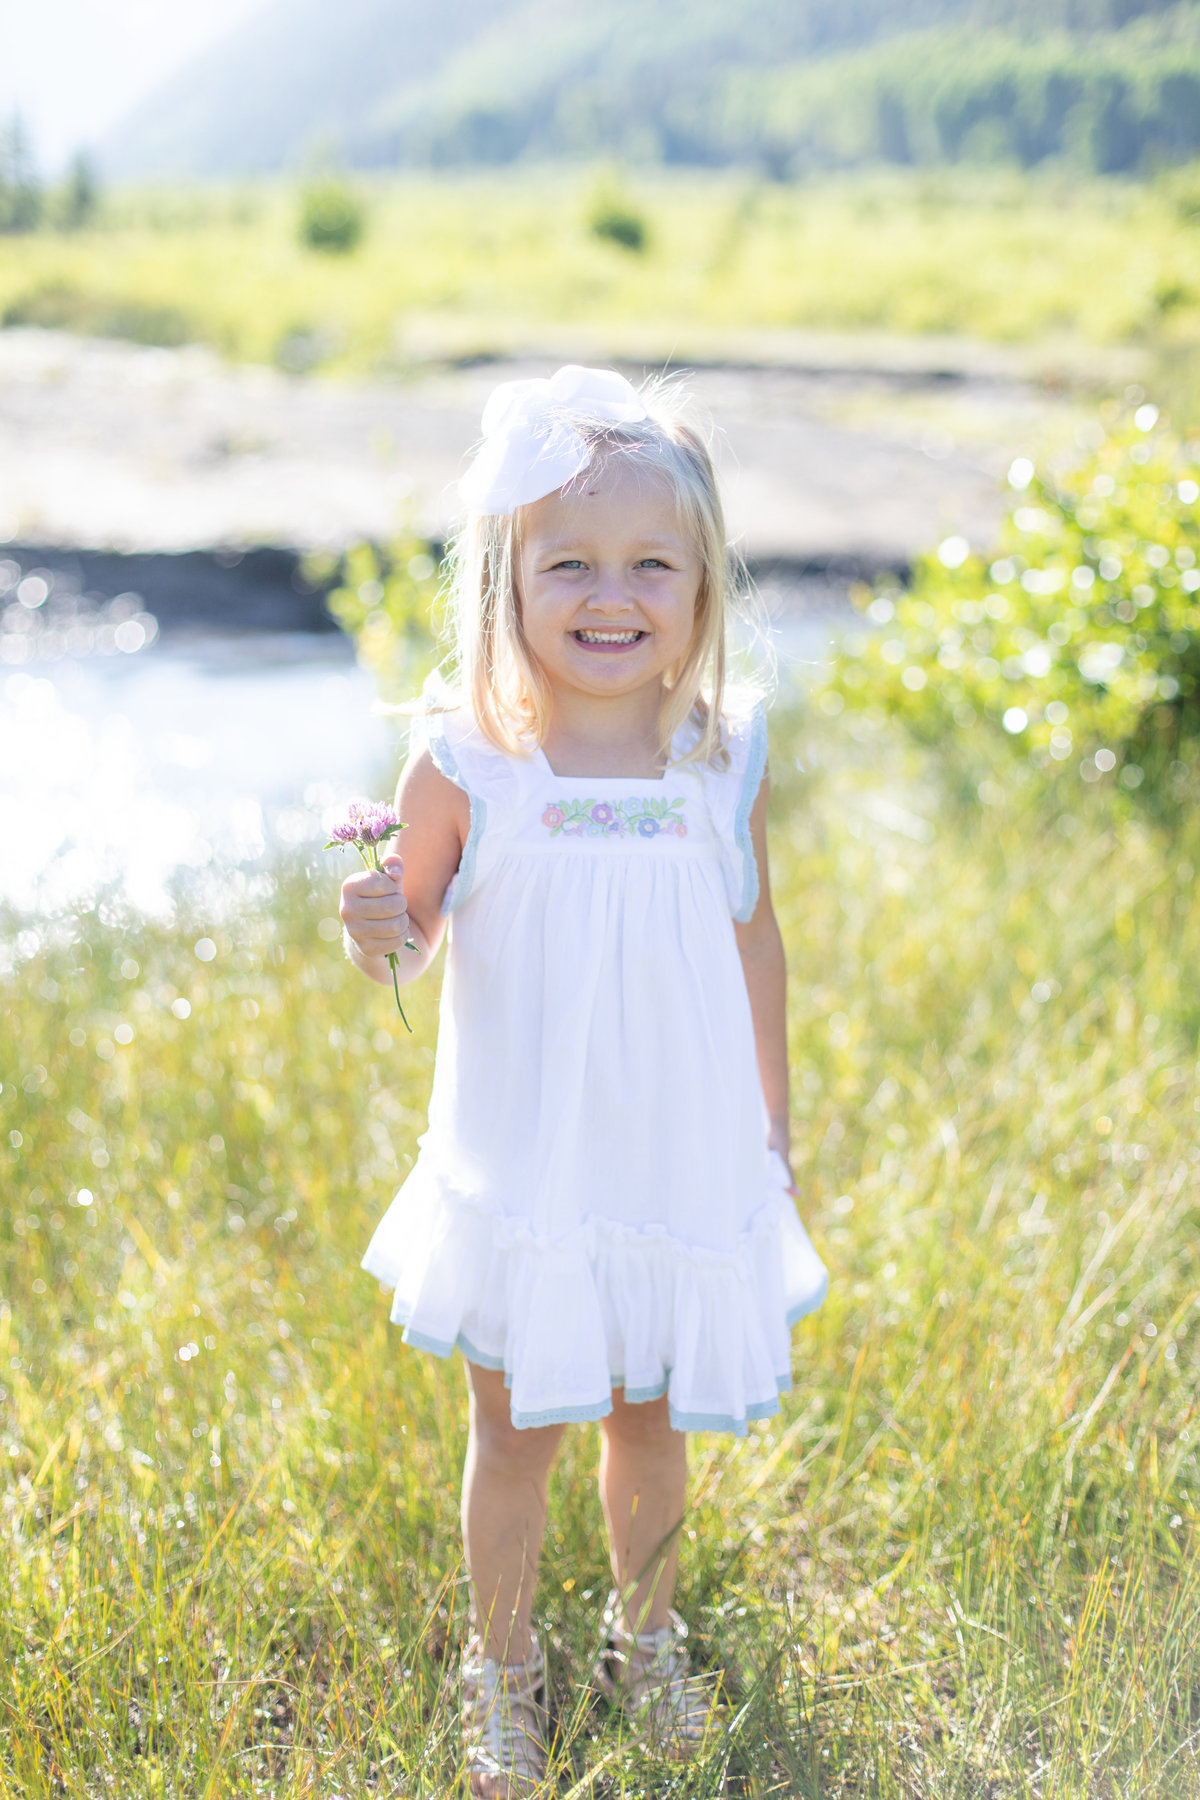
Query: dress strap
x=731, y=796
x=462, y=753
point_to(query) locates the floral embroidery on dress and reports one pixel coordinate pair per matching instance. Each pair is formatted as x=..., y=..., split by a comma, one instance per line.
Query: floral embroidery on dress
x=615, y=818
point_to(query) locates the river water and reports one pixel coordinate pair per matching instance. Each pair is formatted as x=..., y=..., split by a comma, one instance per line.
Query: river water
x=128, y=772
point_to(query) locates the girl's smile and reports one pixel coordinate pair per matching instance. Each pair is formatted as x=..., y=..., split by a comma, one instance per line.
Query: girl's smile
x=608, y=640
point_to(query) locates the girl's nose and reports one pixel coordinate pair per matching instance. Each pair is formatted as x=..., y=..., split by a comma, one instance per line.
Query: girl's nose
x=609, y=595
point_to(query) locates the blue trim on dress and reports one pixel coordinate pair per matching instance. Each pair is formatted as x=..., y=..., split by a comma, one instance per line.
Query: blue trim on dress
x=481, y=1357
x=562, y=1415
x=439, y=1347
x=419, y=1341
x=600, y=1409
x=758, y=1409
x=640, y=1396
x=751, y=782
x=446, y=764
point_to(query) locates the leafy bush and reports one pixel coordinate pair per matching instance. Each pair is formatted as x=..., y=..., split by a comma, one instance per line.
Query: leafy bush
x=627, y=229
x=332, y=218
x=1076, y=642
x=385, y=598
x=613, y=218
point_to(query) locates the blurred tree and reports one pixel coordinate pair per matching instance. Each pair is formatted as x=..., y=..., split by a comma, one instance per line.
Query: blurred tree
x=891, y=126
x=1107, y=125
x=332, y=218
x=20, y=189
x=1179, y=113
x=79, y=196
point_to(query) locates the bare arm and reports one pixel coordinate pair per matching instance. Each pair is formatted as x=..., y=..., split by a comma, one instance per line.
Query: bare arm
x=382, y=908
x=761, y=948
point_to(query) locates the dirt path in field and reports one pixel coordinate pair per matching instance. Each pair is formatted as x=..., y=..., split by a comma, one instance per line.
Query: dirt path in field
x=830, y=465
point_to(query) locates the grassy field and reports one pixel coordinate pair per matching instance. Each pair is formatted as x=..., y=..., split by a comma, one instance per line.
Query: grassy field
x=962, y=1562
x=474, y=264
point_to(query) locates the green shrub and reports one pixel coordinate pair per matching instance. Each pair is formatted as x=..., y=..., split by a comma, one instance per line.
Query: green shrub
x=384, y=598
x=332, y=218
x=1075, y=642
x=614, y=219
x=627, y=229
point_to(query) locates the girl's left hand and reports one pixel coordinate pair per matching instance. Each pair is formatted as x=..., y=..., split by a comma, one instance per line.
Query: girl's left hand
x=779, y=1140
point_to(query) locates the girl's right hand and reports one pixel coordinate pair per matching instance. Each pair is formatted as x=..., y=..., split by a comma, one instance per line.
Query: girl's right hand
x=374, y=910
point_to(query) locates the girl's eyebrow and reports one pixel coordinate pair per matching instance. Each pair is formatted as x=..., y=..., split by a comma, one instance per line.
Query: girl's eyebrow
x=580, y=546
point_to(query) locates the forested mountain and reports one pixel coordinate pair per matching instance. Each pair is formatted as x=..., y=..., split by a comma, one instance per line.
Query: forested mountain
x=785, y=84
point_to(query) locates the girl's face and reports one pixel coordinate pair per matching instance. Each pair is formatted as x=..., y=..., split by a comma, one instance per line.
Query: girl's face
x=608, y=580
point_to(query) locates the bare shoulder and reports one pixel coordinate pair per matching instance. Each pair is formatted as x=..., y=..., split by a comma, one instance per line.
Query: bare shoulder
x=437, y=818
x=429, y=801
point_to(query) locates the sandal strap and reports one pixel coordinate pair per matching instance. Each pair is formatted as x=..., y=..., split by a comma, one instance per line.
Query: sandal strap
x=504, y=1718
x=649, y=1672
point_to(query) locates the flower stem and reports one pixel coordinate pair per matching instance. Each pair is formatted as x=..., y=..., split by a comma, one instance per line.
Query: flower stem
x=392, y=964
x=370, y=856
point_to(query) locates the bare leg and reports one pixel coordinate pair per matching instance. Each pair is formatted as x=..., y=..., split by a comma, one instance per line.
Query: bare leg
x=503, y=1515
x=643, y=1486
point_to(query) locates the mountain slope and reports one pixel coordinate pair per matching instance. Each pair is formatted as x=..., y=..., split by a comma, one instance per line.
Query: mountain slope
x=548, y=80
x=373, y=80
x=294, y=77
x=784, y=83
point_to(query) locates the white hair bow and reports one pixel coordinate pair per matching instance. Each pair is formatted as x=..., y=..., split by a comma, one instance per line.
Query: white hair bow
x=530, y=446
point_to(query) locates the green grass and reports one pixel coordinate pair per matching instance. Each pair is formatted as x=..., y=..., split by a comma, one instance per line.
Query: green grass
x=472, y=264
x=962, y=1562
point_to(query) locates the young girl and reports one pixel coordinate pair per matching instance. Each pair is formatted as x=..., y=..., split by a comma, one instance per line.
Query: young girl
x=600, y=1217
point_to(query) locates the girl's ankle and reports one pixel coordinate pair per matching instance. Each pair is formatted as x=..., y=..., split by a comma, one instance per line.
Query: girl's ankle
x=512, y=1651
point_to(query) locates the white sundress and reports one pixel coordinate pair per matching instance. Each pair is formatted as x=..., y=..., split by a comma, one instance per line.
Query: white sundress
x=594, y=1204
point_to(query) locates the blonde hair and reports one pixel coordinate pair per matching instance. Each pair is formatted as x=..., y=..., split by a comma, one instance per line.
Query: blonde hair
x=494, y=668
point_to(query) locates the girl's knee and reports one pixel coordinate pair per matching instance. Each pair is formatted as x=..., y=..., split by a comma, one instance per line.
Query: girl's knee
x=644, y=1425
x=497, y=1440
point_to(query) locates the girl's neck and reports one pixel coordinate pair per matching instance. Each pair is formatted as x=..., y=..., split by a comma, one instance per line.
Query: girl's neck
x=587, y=736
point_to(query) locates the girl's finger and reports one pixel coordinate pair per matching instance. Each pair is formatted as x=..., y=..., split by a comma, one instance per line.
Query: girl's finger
x=388, y=906
x=370, y=883
x=378, y=929
x=379, y=939
x=393, y=866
